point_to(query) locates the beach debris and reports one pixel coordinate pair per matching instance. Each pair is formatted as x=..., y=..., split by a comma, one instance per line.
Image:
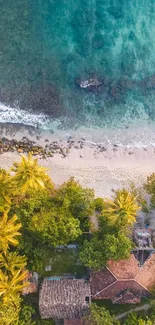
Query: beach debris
x=103, y=149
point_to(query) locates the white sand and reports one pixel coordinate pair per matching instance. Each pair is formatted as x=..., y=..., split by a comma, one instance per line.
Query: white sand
x=102, y=171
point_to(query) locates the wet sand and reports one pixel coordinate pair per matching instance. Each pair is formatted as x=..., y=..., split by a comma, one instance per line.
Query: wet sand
x=93, y=165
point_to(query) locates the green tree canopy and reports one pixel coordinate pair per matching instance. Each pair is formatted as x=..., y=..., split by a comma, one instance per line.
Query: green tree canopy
x=92, y=253
x=96, y=252
x=9, y=231
x=57, y=226
x=5, y=190
x=99, y=204
x=35, y=249
x=134, y=319
x=122, y=210
x=12, y=262
x=99, y=316
x=26, y=315
x=9, y=313
x=29, y=175
x=78, y=200
x=109, y=242
x=12, y=284
x=12, y=273
x=150, y=188
x=29, y=314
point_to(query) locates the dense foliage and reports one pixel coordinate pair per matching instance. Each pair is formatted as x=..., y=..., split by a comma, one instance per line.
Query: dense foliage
x=28, y=174
x=12, y=273
x=36, y=218
x=109, y=242
x=135, y=319
x=122, y=210
x=150, y=188
x=29, y=315
x=47, y=217
x=99, y=316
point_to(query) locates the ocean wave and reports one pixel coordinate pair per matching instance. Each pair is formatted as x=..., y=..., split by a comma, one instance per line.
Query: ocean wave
x=137, y=135
x=16, y=115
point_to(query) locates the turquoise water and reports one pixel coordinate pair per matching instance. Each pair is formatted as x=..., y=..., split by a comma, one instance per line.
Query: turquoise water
x=45, y=45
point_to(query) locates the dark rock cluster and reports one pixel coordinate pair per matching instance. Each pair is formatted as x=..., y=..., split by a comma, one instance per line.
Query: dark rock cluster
x=26, y=145
x=116, y=89
x=23, y=146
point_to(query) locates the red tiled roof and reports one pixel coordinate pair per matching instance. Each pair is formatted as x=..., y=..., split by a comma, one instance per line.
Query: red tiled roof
x=127, y=297
x=146, y=275
x=100, y=280
x=118, y=286
x=122, y=275
x=124, y=269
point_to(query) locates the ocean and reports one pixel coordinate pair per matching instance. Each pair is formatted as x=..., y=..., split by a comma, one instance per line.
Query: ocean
x=49, y=47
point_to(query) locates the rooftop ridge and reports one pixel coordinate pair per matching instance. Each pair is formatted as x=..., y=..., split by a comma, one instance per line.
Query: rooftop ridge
x=111, y=272
x=141, y=285
x=105, y=288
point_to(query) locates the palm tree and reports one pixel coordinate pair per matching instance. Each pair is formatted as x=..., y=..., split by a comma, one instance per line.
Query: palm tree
x=122, y=210
x=11, y=261
x=8, y=231
x=5, y=188
x=9, y=313
x=11, y=285
x=29, y=175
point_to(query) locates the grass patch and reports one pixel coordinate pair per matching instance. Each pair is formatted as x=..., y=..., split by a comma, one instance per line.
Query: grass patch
x=65, y=262
x=117, y=309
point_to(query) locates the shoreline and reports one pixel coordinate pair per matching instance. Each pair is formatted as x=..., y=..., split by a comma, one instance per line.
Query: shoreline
x=104, y=168
x=138, y=132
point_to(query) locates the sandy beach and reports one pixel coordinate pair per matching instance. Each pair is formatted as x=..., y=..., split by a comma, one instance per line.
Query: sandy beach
x=93, y=165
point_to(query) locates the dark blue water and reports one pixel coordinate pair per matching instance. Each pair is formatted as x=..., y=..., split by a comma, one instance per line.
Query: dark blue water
x=46, y=45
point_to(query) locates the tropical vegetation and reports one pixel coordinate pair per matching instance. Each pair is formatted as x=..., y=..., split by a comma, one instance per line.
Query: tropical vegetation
x=111, y=240
x=36, y=218
x=99, y=316
x=122, y=210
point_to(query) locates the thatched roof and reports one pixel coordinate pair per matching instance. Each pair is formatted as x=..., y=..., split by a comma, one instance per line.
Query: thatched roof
x=64, y=298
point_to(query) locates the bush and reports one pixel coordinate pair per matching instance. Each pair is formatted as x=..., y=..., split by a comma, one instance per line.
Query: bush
x=98, y=204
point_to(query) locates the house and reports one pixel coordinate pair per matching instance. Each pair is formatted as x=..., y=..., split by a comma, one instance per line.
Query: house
x=64, y=298
x=124, y=281
x=127, y=281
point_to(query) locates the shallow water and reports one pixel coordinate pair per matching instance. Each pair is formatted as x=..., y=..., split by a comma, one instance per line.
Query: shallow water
x=45, y=45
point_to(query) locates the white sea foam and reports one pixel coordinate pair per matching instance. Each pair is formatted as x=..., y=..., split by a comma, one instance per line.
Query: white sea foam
x=16, y=115
x=137, y=135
